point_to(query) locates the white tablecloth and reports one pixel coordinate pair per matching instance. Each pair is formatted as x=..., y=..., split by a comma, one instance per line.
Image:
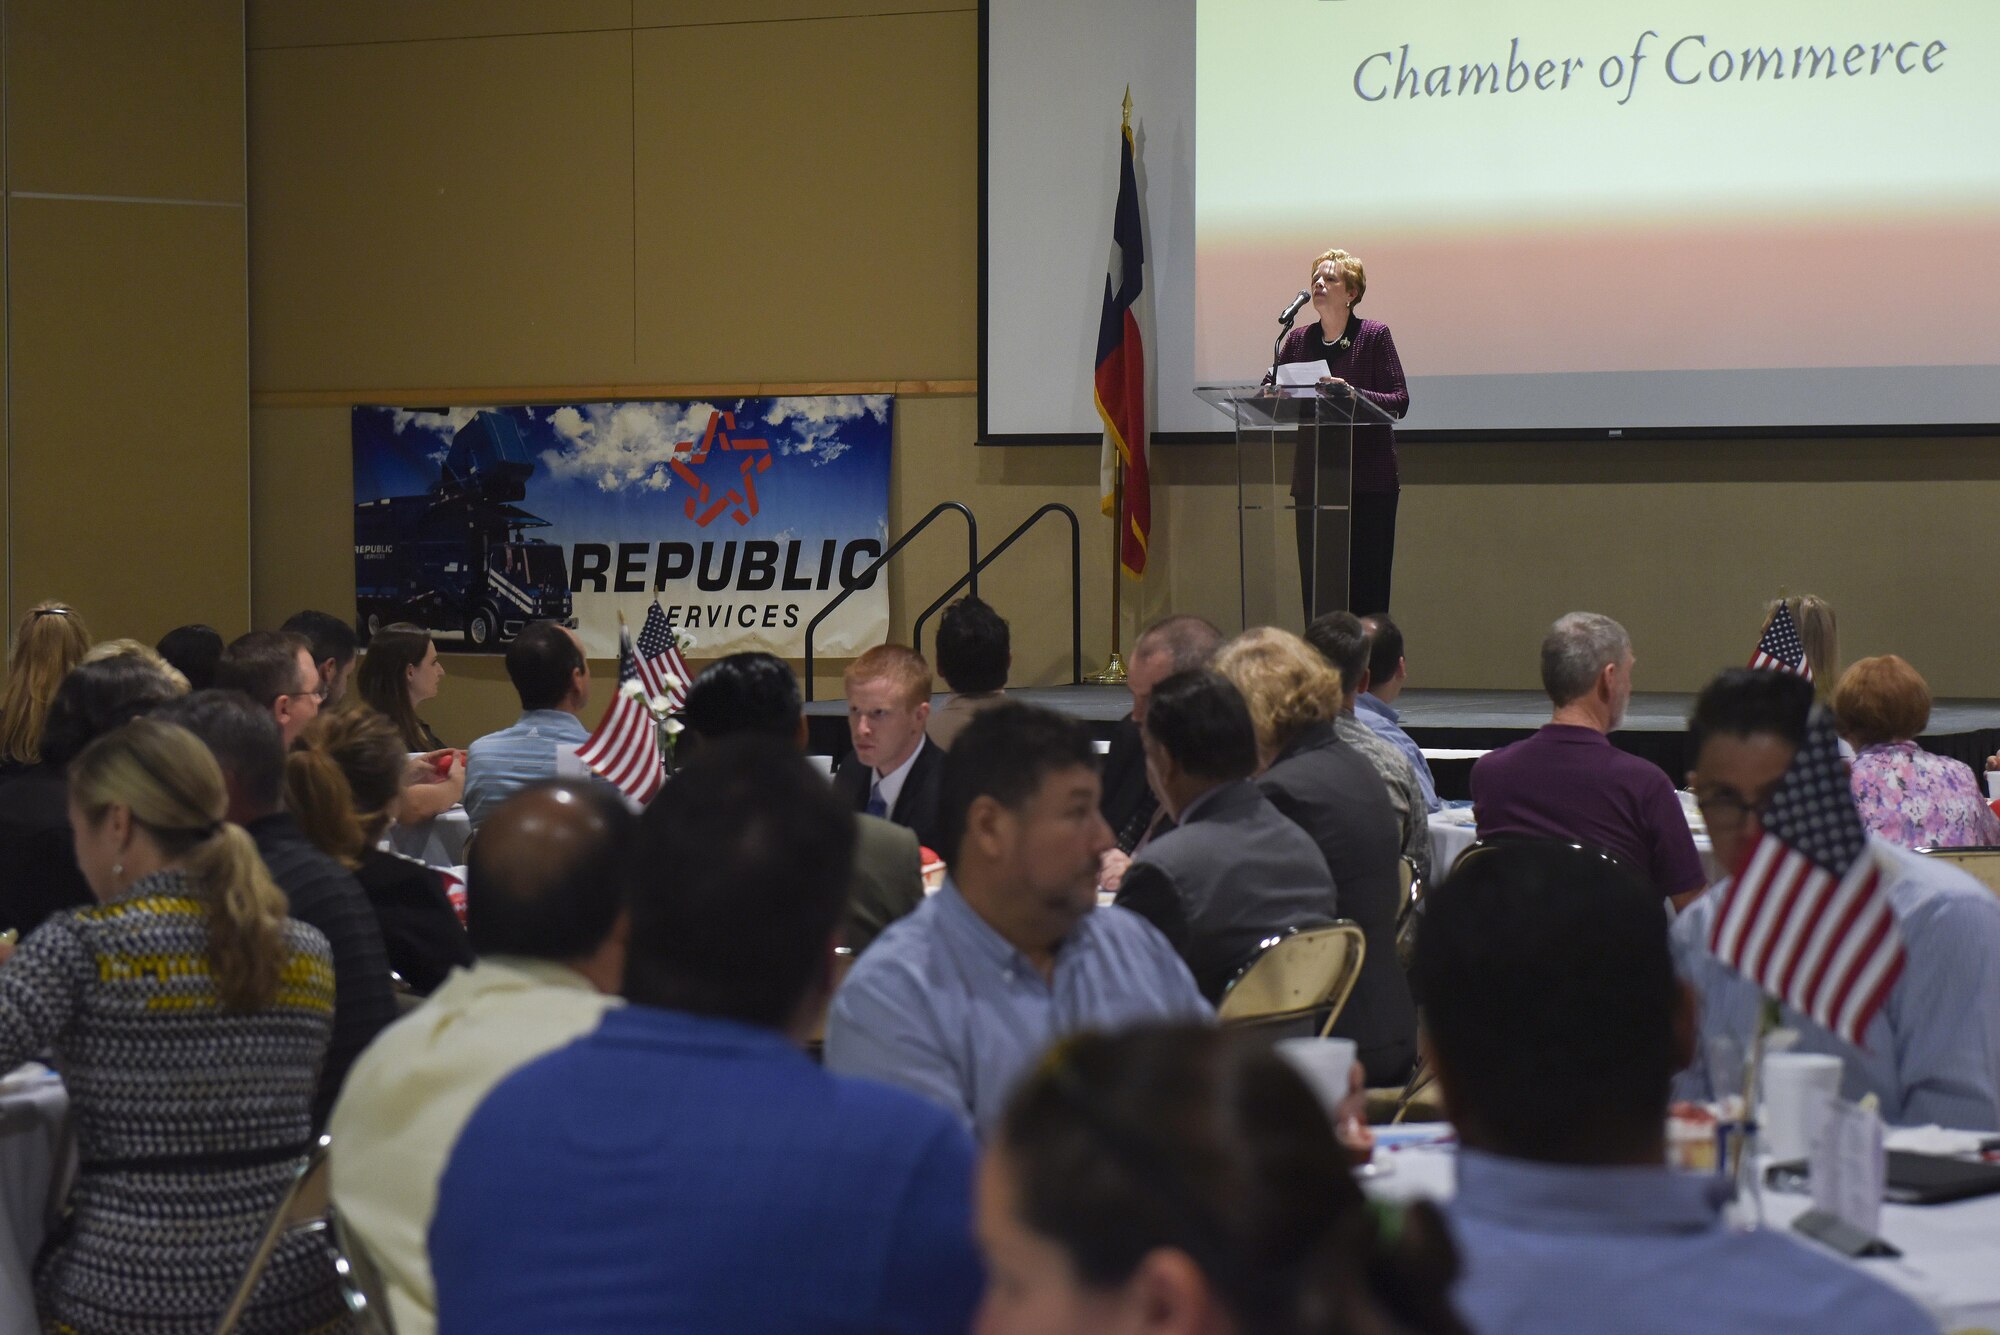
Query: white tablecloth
x=1452, y=834
x=1949, y=1251
x=33, y=1112
x=437, y=842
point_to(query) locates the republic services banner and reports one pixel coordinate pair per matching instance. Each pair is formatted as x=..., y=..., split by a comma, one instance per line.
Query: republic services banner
x=742, y=517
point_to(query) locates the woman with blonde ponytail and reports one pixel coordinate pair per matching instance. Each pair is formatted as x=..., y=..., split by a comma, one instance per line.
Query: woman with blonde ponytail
x=343, y=778
x=188, y=1015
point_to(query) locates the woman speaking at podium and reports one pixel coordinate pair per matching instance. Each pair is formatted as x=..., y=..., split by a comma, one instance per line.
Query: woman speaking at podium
x=1361, y=358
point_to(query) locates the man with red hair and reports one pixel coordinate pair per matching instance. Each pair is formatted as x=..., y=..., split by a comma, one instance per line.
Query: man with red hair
x=893, y=771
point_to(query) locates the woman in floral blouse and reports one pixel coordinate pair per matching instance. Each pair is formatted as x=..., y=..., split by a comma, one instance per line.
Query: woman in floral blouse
x=1906, y=794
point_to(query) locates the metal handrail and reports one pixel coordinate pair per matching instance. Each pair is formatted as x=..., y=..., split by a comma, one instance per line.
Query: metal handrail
x=971, y=572
x=1075, y=585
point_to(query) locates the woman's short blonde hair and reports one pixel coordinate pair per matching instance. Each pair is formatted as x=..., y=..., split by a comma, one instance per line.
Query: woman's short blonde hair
x=1881, y=700
x=1285, y=682
x=1353, y=276
x=144, y=653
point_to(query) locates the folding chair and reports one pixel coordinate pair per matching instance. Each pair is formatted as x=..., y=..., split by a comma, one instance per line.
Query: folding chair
x=1981, y=863
x=1295, y=976
x=306, y=1207
x=1411, y=912
x=843, y=960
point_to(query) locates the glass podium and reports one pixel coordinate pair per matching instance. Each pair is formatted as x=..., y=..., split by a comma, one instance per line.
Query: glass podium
x=1294, y=487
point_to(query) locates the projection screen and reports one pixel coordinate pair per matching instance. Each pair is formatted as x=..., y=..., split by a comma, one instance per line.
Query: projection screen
x=1700, y=217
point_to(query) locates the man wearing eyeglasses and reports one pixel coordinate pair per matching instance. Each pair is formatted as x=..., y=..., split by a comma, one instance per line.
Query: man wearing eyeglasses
x=276, y=669
x=1932, y=1053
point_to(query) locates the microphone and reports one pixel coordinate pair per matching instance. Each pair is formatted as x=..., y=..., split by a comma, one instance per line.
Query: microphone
x=1292, y=310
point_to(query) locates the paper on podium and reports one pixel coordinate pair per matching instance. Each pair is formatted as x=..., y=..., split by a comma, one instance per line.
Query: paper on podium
x=1292, y=375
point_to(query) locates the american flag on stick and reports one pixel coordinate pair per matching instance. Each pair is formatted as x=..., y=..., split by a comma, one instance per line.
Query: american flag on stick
x=660, y=658
x=625, y=749
x=1805, y=917
x=1780, y=647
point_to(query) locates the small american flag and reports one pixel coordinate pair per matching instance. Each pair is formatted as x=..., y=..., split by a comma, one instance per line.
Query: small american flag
x=625, y=749
x=1805, y=917
x=660, y=657
x=1781, y=647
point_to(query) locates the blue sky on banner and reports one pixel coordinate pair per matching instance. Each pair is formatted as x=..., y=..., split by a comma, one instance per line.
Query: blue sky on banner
x=602, y=469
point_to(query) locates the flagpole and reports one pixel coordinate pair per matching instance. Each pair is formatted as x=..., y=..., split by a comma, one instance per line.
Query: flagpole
x=1114, y=669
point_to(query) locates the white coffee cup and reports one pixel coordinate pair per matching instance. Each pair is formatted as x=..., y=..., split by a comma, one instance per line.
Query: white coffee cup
x=1799, y=1089
x=1993, y=784
x=1325, y=1064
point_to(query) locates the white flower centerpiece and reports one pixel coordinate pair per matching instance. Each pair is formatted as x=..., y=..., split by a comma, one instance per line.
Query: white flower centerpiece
x=660, y=708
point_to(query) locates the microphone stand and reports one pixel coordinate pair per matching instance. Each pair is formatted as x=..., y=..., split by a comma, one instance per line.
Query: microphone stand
x=1284, y=328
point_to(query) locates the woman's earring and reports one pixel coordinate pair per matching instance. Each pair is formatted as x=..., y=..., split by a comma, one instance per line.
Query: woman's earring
x=117, y=869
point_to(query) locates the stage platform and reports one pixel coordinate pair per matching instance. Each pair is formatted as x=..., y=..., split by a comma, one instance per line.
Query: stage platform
x=1655, y=724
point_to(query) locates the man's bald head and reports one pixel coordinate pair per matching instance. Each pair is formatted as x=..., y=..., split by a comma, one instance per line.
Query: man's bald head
x=542, y=878
x=1181, y=643
x=1188, y=641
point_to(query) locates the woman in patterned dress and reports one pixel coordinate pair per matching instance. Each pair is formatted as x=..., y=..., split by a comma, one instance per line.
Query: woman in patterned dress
x=188, y=1015
x=1906, y=794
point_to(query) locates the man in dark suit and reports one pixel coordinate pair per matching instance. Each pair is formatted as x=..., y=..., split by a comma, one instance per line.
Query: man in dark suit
x=757, y=693
x=1177, y=644
x=894, y=770
x=1233, y=871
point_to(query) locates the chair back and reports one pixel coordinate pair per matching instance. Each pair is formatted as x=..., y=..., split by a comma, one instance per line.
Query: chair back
x=361, y=1284
x=843, y=960
x=1485, y=844
x=307, y=1206
x=1295, y=977
x=1411, y=912
x=1982, y=863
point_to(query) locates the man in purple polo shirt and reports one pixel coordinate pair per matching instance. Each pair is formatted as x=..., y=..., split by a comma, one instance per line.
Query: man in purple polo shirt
x=1569, y=782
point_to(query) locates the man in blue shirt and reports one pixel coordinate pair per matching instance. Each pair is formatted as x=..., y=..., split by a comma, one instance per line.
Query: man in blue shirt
x=958, y=999
x=1932, y=1053
x=546, y=663
x=1556, y=1023
x=685, y=1166
x=1375, y=706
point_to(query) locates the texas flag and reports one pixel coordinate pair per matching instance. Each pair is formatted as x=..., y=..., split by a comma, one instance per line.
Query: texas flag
x=1121, y=369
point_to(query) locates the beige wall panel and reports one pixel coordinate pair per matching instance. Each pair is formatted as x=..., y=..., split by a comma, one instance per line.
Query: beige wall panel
x=6, y=593
x=334, y=22
x=807, y=196
x=670, y=13
x=126, y=97
x=1684, y=542
x=301, y=514
x=129, y=450
x=442, y=213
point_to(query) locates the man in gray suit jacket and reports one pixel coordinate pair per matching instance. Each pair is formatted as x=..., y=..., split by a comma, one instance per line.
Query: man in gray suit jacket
x=1234, y=871
x=757, y=693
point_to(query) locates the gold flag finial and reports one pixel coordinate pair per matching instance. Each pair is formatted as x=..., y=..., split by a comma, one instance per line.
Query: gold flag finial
x=1128, y=106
